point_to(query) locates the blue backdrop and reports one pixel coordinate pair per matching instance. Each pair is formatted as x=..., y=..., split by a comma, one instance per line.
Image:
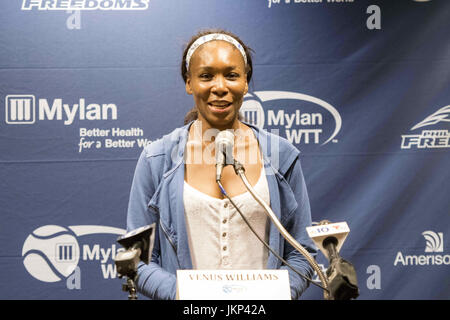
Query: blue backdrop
x=361, y=87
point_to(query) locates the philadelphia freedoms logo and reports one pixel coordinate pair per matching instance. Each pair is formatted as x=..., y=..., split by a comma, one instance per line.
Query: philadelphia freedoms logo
x=52, y=253
x=75, y=7
x=319, y=127
x=429, y=139
x=48, y=5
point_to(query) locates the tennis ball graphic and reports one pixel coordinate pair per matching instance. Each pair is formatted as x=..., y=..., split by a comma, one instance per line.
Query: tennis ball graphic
x=51, y=253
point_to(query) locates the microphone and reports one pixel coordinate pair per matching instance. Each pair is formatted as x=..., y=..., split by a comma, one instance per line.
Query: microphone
x=330, y=237
x=224, y=151
x=139, y=245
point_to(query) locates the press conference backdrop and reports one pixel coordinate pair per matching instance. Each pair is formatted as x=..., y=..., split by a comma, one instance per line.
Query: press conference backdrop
x=362, y=88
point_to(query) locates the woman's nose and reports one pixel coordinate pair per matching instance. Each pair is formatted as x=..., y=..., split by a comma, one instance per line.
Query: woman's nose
x=220, y=86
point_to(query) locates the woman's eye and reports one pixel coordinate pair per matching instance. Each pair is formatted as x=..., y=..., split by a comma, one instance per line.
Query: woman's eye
x=233, y=75
x=205, y=76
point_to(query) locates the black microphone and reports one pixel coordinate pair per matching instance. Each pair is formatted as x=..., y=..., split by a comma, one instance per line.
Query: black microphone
x=329, y=237
x=138, y=245
x=224, y=151
x=341, y=274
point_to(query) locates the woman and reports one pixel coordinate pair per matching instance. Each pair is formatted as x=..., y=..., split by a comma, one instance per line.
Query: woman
x=174, y=183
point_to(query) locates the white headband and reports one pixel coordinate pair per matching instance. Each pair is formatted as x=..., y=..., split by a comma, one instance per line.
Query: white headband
x=210, y=37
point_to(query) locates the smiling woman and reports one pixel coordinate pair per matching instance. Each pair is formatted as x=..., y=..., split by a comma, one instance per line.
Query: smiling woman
x=198, y=41
x=175, y=180
x=217, y=80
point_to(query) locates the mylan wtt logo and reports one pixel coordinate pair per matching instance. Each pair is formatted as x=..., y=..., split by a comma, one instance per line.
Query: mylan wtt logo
x=300, y=126
x=51, y=253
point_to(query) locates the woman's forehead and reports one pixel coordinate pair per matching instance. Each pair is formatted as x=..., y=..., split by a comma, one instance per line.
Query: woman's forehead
x=215, y=50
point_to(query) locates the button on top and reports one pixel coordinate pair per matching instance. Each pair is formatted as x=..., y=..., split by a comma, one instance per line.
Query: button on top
x=225, y=205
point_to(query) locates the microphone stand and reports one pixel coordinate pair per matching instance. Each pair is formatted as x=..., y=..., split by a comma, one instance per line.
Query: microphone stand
x=126, y=264
x=240, y=171
x=130, y=287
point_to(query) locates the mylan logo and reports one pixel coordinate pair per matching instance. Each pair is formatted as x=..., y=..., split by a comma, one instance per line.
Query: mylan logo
x=20, y=109
x=24, y=109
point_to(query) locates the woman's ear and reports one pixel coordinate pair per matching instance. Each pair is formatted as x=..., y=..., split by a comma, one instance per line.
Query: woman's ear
x=188, y=85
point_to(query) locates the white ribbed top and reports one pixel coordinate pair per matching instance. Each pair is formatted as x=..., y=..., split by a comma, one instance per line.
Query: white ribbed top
x=218, y=236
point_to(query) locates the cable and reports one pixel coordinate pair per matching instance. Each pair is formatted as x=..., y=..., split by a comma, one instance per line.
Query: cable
x=240, y=171
x=265, y=243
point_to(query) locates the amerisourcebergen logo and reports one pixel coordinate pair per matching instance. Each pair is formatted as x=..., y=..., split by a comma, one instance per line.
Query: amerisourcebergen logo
x=85, y=4
x=51, y=253
x=24, y=109
x=429, y=139
x=318, y=127
x=434, y=245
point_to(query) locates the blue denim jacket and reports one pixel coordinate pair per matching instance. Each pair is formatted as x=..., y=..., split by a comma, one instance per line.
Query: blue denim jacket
x=156, y=196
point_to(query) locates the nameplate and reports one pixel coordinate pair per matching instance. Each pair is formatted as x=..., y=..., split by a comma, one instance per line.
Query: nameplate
x=233, y=285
